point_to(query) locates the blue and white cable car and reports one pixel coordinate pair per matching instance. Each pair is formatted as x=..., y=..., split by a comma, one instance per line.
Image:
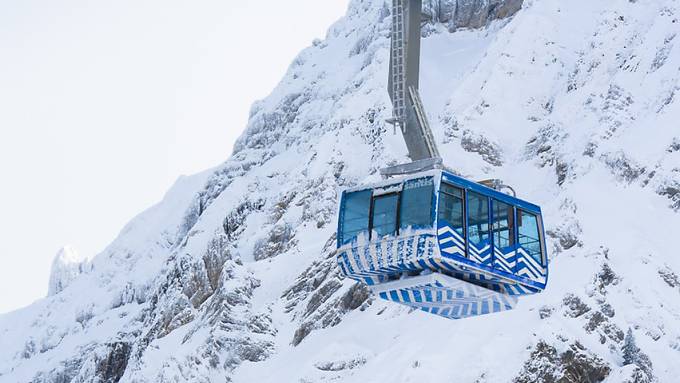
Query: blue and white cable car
x=440, y=243
x=428, y=238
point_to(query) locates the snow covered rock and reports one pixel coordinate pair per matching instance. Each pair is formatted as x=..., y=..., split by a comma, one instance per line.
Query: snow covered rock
x=470, y=13
x=66, y=267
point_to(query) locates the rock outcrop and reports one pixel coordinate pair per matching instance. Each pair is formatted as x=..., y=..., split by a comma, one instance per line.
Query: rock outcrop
x=66, y=267
x=457, y=14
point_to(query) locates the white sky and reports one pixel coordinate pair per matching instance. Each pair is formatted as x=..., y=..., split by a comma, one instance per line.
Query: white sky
x=103, y=104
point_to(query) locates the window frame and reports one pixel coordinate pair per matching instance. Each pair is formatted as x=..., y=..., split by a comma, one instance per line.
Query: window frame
x=463, y=198
x=434, y=201
x=512, y=225
x=539, y=231
x=372, y=211
x=341, y=228
x=489, y=218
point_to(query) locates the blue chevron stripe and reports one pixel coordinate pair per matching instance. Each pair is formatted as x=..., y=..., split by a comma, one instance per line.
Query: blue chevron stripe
x=526, y=267
x=530, y=260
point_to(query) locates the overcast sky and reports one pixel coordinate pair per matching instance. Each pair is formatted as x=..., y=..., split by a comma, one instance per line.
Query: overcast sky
x=103, y=104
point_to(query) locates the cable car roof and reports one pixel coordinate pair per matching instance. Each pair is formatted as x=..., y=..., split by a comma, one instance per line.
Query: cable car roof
x=438, y=174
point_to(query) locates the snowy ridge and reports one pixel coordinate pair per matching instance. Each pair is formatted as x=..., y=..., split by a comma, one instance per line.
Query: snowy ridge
x=232, y=277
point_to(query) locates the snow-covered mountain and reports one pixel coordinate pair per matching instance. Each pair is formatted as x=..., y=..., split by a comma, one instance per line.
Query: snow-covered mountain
x=232, y=277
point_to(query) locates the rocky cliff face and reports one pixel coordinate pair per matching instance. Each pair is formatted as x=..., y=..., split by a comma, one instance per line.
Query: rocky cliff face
x=457, y=14
x=232, y=276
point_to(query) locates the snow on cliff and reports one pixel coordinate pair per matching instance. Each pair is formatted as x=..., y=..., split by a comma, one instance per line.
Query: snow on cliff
x=66, y=267
x=232, y=276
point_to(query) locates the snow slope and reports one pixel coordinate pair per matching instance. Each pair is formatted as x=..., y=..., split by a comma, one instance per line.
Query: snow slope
x=232, y=276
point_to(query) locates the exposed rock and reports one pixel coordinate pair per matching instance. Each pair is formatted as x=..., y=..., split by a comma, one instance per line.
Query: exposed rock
x=575, y=365
x=267, y=129
x=669, y=277
x=575, y=306
x=662, y=53
x=469, y=13
x=545, y=146
x=112, y=367
x=278, y=240
x=674, y=146
x=545, y=312
x=671, y=190
x=106, y=363
x=599, y=322
x=340, y=365
x=489, y=151
x=607, y=310
x=313, y=277
x=216, y=184
x=606, y=277
x=281, y=206
x=216, y=255
x=623, y=167
x=328, y=297
x=580, y=366
x=233, y=222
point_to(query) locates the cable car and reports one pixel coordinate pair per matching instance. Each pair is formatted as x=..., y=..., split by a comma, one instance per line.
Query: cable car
x=425, y=237
x=440, y=243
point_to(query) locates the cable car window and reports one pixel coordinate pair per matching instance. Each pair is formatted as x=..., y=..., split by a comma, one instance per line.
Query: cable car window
x=385, y=215
x=478, y=218
x=503, y=225
x=415, y=209
x=355, y=211
x=451, y=211
x=529, y=237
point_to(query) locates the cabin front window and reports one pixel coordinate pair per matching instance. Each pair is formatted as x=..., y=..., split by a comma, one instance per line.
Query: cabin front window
x=416, y=204
x=354, y=217
x=385, y=215
x=390, y=210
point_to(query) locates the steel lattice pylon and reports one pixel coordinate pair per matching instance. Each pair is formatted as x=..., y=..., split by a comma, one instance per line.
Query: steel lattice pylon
x=408, y=112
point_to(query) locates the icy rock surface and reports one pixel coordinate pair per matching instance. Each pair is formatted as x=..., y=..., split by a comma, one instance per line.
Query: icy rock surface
x=469, y=13
x=232, y=276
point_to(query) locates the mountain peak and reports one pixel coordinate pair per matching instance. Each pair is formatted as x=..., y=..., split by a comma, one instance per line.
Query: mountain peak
x=67, y=265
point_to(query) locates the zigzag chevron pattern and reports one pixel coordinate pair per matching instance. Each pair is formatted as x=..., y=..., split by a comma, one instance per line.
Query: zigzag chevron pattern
x=484, y=283
x=528, y=267
x=450, y=239
x=388, y=257
x=445, y=296
x=516, y=262
x=374, y=262
x=505, y=262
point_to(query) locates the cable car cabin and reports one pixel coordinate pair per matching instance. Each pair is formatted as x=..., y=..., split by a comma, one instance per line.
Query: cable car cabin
x=442, y=244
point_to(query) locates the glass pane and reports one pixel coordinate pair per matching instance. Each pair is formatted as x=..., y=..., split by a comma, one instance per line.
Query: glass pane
x=451, y=208
x=528, y=231
x=416, y=204
x=356, y=207
x=478, y=218
x=385, y=215
x=503, y=225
